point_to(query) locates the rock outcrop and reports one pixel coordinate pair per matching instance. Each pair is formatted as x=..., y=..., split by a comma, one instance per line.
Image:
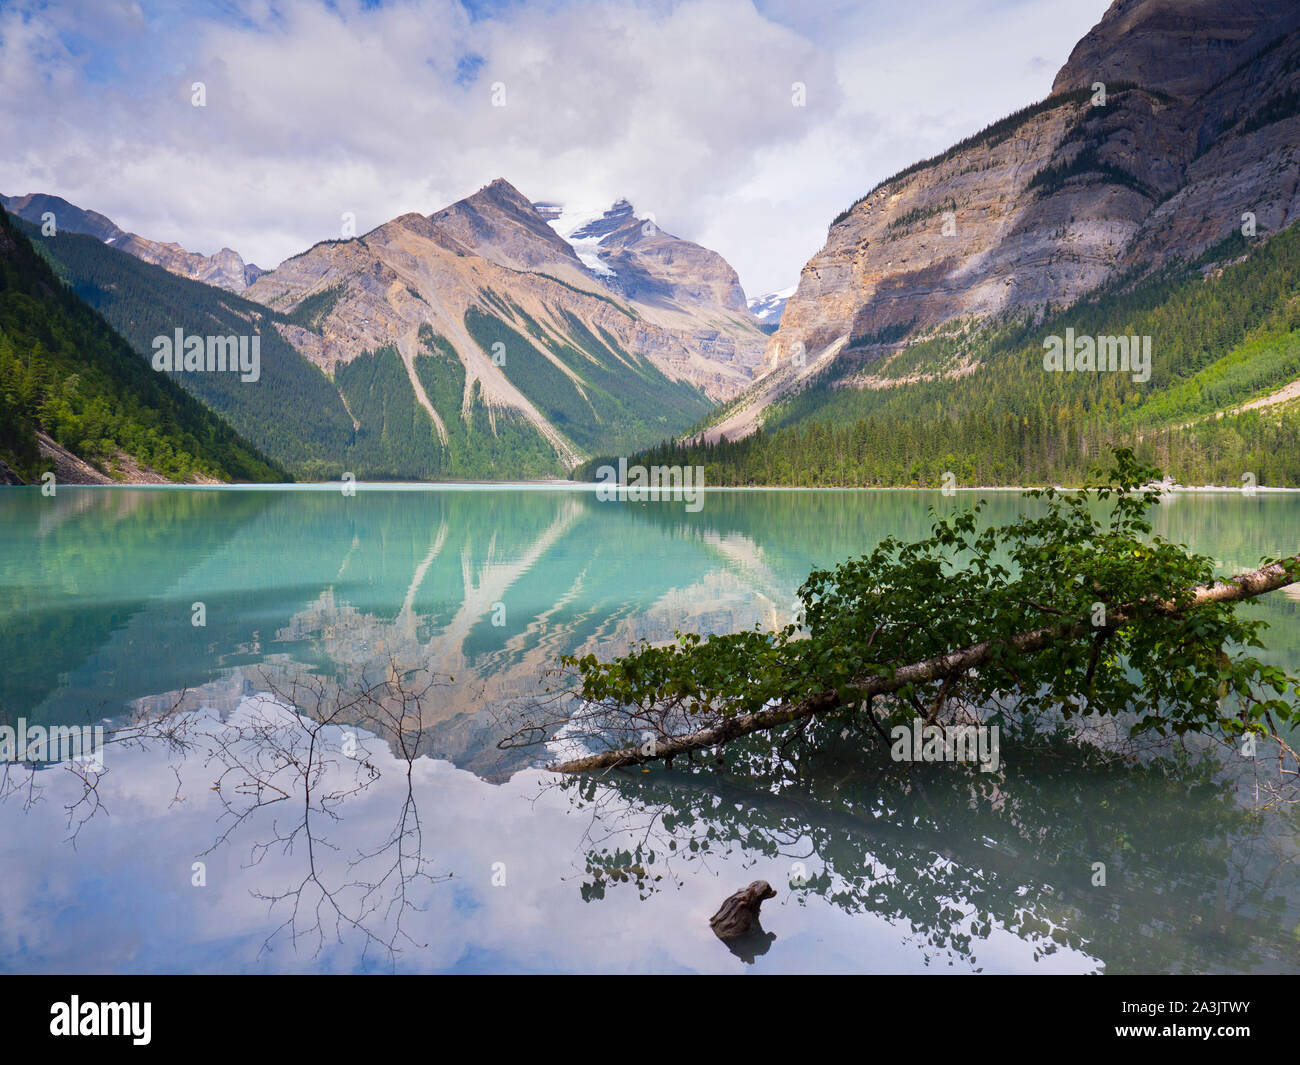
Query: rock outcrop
x=501, y=225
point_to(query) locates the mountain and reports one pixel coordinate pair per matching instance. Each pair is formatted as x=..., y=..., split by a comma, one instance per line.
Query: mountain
x=593, y=369
x=687, y=289
x=1197, y=130
x=769, y=308
x=509, y=333
x=382, y=351
x=225, y=269
x=1221, y=405
x=76, y=398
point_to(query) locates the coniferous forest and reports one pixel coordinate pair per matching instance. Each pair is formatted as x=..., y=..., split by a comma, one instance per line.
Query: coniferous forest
x=65, y=372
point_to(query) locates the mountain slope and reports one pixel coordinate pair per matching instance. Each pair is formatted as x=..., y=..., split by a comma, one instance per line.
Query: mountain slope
x=1199, y=125
x=225, y=269
x=292, y=412
x=72, y=389
x=1222, y=405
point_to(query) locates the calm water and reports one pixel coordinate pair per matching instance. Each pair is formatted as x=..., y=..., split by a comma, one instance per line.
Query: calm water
x=219, y=856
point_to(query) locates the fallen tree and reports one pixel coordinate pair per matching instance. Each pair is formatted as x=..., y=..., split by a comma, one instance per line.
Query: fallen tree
x=943, y=667
x=1063, y=612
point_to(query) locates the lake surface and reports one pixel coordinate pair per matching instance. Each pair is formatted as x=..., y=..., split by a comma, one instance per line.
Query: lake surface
x=262, y=840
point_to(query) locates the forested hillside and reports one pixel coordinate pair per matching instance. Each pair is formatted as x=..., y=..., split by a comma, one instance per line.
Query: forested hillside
x=611, y=401
x=978, y=403
x=64, y=371
x=292, y=411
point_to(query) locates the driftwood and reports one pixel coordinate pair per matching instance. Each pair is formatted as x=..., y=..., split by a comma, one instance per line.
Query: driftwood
x=953, y=664
x=737, y=918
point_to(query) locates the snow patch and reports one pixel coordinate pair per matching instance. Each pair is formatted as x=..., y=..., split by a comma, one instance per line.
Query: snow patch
x=568, y=219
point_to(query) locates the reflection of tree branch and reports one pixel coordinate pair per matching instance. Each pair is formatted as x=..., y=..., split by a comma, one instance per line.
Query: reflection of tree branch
x=401, y=717
x=289, y=752
x=171, y=729
x=299, y=751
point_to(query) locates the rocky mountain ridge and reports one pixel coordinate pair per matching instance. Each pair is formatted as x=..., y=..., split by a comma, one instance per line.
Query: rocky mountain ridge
x=224, y=269
x=474, y=331
x=494, y=253
x=678, y=284
x=534, y=334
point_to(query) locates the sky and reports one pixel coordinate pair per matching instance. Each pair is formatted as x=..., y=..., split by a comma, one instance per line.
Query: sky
x=743, y=125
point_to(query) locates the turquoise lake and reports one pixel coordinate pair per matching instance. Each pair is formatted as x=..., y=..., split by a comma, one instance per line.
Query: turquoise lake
x=216, y=855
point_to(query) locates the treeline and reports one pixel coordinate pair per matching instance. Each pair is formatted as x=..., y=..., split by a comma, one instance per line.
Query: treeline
x=489, y=444
x=1017, y=450
x=65, y=372
x=396, y=438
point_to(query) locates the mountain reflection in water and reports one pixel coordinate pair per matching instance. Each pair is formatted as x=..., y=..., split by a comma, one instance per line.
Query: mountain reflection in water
x=434, y=850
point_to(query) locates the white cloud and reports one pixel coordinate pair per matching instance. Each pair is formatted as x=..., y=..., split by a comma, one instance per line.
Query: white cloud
x=684, y=108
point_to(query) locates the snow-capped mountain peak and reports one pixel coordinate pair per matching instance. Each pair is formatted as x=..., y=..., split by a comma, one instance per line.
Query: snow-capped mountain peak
x=768, y=309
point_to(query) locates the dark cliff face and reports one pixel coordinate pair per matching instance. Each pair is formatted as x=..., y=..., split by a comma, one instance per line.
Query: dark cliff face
x=1199, y=126
x=1180, y=47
